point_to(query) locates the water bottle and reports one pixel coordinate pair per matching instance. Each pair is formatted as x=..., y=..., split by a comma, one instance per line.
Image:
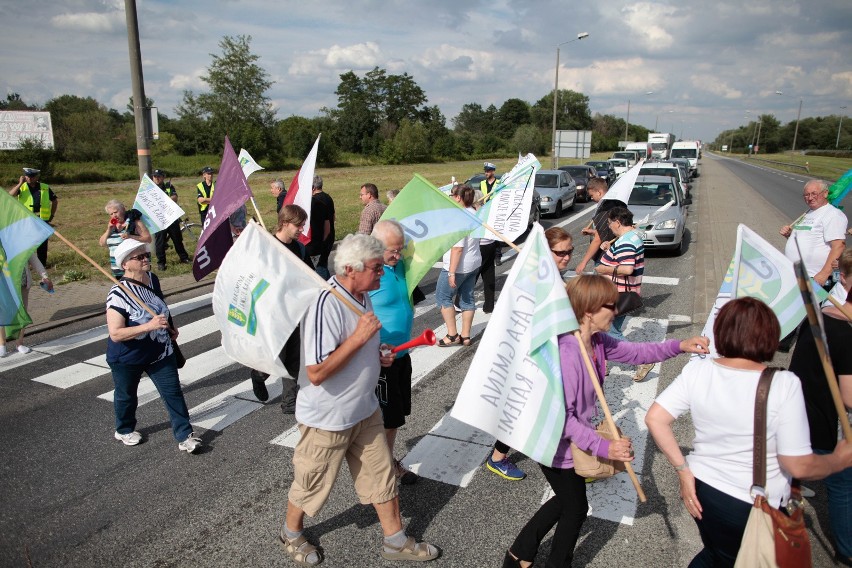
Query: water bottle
x=45, y=288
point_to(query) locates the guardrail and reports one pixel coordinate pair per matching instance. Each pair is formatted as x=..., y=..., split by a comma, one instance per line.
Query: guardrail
x=806, y=167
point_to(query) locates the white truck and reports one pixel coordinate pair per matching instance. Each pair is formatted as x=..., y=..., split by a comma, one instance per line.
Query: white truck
x=661, y=144
x=643, y=148
x=690, y=150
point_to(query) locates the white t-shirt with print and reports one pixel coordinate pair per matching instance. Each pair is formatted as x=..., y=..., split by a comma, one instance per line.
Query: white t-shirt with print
x=814, y=231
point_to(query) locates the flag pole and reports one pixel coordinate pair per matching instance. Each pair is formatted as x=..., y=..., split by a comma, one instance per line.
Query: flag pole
x=844, y=309
x=501, y=237
x=607, y=414
x=259, y=217
x=107, y=274
x=818, y=333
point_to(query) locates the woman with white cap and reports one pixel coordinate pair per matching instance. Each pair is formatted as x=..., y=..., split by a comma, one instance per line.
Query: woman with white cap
x=141, y=343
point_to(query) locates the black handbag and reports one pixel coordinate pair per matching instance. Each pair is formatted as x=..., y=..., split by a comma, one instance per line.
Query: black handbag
x=180, y=360
x=628, y=301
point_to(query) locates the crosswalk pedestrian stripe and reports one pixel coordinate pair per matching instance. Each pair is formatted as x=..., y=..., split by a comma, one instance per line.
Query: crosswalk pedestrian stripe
x=660, y=280
x=196, y=368
x=235, y=403
x=614, y=499
x=99, y=333
x=76, y=374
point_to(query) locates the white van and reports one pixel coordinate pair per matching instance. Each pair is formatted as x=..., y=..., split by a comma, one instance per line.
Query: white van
x=632, y=156
x=644, y=149
x=690, y=150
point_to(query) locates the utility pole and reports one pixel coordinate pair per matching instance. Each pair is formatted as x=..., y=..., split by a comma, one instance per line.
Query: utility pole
x=143, y=137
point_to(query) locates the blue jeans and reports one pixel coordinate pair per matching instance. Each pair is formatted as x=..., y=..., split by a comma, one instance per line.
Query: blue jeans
x=839, y=486
x=164, y=374
x=615, y=328
x=465, y=282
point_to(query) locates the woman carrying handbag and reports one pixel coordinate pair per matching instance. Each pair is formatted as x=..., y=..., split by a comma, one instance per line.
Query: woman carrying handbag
x=719, y=394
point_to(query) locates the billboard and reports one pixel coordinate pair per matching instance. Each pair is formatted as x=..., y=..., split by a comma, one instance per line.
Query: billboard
x=573, y=143
x=19, y=125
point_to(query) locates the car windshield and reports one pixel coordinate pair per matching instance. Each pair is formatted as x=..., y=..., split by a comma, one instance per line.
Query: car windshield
x=656, y=171
x=620, y=163
x=576, y=171
x=684, y=153
x=599, y=165
x=546, y=180
x=653, y=194
x=627, y=155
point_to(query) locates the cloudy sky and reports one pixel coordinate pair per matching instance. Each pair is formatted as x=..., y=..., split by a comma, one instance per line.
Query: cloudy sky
x=708, y=65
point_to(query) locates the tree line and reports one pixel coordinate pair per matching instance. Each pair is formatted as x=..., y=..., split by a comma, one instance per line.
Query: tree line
x=380, y=117
x=767, y=132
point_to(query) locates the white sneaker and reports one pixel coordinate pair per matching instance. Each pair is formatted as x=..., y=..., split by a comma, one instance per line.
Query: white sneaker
x=191, y=444
x=3, y=352
x=23, y=349
x=129, y=439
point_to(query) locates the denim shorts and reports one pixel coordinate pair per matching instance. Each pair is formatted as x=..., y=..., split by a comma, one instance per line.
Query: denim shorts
x=464, y=288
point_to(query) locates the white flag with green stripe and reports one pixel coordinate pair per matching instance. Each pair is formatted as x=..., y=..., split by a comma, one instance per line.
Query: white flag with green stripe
x=513, y=388
x=158, y=210
x=763, y=272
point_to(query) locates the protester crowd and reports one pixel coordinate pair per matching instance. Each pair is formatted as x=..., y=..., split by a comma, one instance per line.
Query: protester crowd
x=351, y=393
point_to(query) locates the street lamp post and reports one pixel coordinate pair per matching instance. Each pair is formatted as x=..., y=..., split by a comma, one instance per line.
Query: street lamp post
x=581, y=35
x=656, y=122
x=840, y=124
x=798, y=117
x=627, y=122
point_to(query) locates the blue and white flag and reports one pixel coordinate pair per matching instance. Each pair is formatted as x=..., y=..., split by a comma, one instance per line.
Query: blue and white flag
x=158, y=210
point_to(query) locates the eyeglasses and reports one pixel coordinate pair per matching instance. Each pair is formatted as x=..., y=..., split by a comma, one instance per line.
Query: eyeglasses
x=140, y=257
x=611, y=307
x=562, y=253
x=394, y=252
x=810, y=195
x=378, y=269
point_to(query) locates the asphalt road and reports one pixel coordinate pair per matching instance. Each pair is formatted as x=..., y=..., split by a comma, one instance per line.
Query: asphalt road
x=73, y=496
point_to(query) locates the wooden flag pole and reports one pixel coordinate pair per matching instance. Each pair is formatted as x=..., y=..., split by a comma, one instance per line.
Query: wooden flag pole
x=501, y=237
x=107, y=274
x=257, y=211
x=818, y=333
x=607, y=414
x=844, y=309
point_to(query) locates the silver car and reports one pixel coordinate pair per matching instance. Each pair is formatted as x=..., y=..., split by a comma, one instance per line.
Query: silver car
x=557, y=189
x=659, y=210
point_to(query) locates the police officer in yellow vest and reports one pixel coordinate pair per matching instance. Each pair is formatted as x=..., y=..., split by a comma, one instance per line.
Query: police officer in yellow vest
x=205, y=191
x=35, y=196
x=488, y=248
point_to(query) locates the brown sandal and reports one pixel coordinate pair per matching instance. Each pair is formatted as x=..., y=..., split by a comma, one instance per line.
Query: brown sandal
x=299, y=549
x=465, y=341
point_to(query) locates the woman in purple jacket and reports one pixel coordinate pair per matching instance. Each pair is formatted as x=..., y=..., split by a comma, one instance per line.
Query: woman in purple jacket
x=593, y=298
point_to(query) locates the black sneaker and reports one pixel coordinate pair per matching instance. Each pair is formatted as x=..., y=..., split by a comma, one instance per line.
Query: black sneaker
x=161, y=266
x=185, y=261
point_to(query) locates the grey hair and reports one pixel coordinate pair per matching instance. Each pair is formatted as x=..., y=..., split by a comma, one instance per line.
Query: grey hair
x=317, y=182
x=823, y=185
x=278, y=183
x=115, y=203
x=354, y=250
x=392, y=193
x=388, y=227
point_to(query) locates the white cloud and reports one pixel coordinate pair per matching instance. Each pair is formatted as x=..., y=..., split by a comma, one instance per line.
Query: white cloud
x=90, y=22
x=651, y=22
x=458, y=64
x=358, y=56
x=710, y=83
x=187, y=82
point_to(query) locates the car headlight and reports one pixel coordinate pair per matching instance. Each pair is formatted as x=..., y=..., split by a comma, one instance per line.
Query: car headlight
x=668, y=224
x=581, y=187
x=546, y=199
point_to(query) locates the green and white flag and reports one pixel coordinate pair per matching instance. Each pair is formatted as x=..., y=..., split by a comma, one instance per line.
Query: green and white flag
x=513, y=388
x=507, y=209
x=433, y=223
x=761, y=271
x=21, y=233
x=262, y=291
x=158, y=210
x=247, y=163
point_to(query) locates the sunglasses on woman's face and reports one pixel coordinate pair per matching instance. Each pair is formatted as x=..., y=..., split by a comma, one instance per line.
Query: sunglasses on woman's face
x=562, y=253
x=611, y=307
x=140, y=257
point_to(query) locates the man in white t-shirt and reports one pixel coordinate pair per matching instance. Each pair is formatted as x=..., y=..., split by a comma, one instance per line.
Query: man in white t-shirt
x=338, y=412
x=821, y=233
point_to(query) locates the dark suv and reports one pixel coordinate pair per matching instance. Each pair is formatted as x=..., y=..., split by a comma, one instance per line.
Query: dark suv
x=582, y=175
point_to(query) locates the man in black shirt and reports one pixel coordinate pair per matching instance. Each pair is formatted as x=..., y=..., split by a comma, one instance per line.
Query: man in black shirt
x=599, y=227
x=172, y=231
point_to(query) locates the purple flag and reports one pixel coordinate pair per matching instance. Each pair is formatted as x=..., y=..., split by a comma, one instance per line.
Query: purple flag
x=230, y=192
